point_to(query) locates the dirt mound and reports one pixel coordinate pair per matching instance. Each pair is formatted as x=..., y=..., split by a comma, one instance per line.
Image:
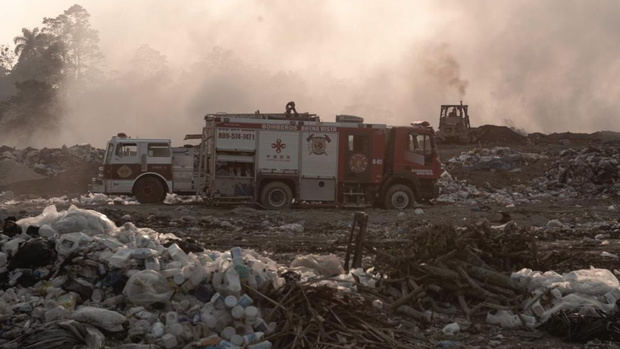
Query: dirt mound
x=48, y=171
x=492, y=134
x=75, y=181
x=12, y=171
x=576, y=139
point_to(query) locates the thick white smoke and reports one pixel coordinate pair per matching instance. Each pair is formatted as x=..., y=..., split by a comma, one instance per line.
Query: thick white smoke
x=542, y=65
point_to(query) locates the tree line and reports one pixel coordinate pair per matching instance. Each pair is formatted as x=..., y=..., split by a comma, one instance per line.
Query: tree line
x=41, y=63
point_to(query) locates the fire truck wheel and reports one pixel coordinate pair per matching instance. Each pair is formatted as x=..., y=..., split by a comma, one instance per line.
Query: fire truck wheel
x=399, y=196
x=149, y=190
x=276, y=195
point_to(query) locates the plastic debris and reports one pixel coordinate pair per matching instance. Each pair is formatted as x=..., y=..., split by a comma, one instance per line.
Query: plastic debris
x=451, y=329
x=326, y=265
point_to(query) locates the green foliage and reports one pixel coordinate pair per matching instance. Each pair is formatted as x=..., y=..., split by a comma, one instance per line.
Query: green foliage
x=81, y=42
x=40, y=58
x=65, y=49
x=33, y=107
x=7, y=57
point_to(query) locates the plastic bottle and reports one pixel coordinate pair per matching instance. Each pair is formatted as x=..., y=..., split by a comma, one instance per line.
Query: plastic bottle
x=261, y=345
x=172, y=318
x=218, y=280
x=226, y=345
x=230, y=301
x=152, y=263
x=170, y=273
x=178, y=255
x=209, y=320
x=236, y=254
x=169, y=341
x=261, y=325
x=236, y=340
x=228, y=332
x=194, y=272
x=218, y=301
x=178, y=279
x=157, y=330
x=232, y=284
x=245, y=301
x=176, y=329
x=537, y=308
x=143, y=253
x=252, y=338
x=237, y=312
x=251, y=312
x=120, y=258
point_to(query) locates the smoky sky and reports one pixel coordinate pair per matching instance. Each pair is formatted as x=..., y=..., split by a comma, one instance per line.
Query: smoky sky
x=544, y=65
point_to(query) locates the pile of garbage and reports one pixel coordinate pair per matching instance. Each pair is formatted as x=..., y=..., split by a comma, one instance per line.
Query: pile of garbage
x=74, y=278
x=572, y=174
x=587, y=171
x=579, y=306
x=7, y=198
x=52, y=161
x=455, y=275
x=452, y=190
x=497, y=158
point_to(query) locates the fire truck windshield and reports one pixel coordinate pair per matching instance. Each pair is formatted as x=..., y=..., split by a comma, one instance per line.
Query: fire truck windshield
x=108, y=153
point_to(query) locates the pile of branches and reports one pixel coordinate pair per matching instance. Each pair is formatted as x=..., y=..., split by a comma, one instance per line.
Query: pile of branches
x=321, y=317
x=467, y=266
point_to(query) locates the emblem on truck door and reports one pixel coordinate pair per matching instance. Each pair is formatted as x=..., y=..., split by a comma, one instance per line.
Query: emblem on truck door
x=358, y=163
x=318, y=144
x=124, y=171
x=278, y=145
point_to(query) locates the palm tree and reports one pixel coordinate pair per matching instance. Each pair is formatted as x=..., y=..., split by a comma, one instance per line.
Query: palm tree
x=30, y=43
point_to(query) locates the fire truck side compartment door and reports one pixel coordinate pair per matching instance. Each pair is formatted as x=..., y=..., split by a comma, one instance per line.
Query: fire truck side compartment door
x=317, y=189
x=319, y=154
x=183, y=169
x=278, y=151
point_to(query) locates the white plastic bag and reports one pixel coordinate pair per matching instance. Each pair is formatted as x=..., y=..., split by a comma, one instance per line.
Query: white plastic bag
x=147, y=287
x=86, y=221
x=106, y=319
x=73, y=220
x=48, y=216
x=324, y=265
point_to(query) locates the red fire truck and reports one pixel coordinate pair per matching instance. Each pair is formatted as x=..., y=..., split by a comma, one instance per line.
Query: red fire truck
x=277, y=160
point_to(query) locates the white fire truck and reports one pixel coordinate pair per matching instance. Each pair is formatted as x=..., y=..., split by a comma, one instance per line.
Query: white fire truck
x=277, y=160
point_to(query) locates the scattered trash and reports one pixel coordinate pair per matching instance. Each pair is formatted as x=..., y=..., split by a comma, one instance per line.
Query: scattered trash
x=328, y=265
x=451, y=329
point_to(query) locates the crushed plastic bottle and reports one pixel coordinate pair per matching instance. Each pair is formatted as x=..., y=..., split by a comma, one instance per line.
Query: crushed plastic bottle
x=178, y=255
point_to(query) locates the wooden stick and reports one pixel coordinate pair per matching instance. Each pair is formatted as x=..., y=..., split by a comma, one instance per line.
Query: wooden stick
x=416, y=293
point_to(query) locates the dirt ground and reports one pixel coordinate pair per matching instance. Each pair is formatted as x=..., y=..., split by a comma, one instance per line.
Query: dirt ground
x=325, y=230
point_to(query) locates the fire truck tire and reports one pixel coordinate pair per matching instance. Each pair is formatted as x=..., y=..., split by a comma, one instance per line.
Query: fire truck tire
x=399, y=196
x=276, y=196
x=149, y=190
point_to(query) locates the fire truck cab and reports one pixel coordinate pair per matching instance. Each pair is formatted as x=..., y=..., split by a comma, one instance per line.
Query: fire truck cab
x=145, y=168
